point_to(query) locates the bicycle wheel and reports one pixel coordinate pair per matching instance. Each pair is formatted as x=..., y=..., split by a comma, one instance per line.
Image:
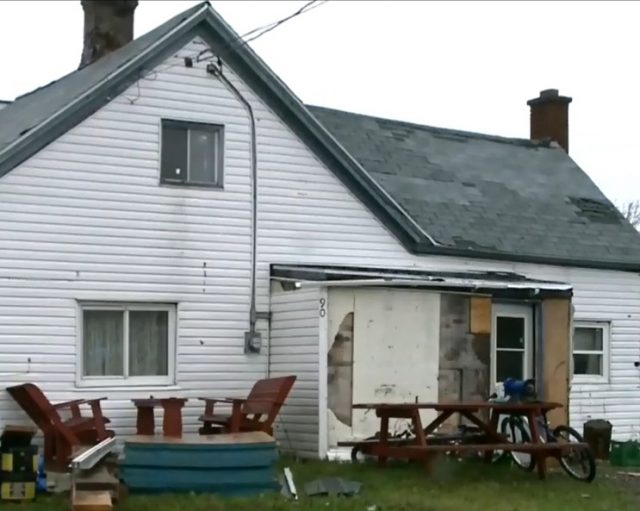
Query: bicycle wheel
x=578, y=463
x=514, y=430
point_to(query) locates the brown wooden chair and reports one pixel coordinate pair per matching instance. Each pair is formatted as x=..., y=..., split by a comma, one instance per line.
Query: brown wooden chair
x=61, y=436
x=255, y=413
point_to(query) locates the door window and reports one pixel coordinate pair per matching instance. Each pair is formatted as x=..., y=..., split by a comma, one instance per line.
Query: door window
x=511, y=334
x=510, y=348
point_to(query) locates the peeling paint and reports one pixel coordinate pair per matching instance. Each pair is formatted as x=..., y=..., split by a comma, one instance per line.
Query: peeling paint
x=340, y=371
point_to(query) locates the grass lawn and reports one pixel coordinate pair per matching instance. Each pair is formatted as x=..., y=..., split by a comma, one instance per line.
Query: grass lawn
x=453, y=486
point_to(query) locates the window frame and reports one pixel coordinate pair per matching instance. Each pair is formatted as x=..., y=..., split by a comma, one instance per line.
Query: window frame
x=605, y=326
x=127, y=381
x=217, y=129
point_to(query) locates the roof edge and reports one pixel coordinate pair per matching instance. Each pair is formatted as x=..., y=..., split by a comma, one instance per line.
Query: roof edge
x=250, y=67
x=48, y=130
x=424, y=249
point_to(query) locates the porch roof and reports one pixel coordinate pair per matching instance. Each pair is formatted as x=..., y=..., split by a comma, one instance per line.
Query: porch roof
x=498, y=284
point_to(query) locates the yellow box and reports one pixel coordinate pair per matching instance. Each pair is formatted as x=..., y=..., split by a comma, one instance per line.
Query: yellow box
x=17, y=491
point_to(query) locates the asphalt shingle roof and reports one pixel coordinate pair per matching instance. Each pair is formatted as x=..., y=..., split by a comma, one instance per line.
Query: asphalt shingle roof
x=471, y=191
x=474, y=195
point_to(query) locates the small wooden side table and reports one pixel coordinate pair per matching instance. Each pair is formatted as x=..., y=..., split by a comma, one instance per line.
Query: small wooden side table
x=171, y=422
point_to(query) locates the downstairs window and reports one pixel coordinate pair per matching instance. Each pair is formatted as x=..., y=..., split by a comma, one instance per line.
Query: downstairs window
x=127, y=344
x=591, y=351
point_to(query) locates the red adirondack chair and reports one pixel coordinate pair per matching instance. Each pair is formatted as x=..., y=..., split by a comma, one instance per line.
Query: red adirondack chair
x=61, y=436
x=255, y=413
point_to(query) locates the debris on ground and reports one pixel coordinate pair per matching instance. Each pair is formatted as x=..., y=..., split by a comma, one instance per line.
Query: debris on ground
x=332, y=486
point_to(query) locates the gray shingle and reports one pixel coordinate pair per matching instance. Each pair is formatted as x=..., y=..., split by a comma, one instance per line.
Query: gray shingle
x=474, y=191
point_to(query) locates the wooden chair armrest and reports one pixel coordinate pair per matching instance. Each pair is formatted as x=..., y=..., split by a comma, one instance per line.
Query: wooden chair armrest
x=211, y=402
x=229, y=400
x=96, y=400
x=69, y=404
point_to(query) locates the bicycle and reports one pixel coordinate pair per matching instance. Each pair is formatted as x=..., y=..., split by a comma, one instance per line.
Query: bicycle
x=578, y=463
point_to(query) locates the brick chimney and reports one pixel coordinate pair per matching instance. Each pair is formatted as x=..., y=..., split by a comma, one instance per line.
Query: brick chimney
x=550, y=117
x=108, y=25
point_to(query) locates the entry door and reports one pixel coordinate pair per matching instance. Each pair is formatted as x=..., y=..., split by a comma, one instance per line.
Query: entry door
x=511, y=342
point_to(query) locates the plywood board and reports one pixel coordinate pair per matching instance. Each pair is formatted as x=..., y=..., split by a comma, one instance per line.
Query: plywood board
x=556, y=317
x=92, y=501
x=480, y=315
x=396, y=352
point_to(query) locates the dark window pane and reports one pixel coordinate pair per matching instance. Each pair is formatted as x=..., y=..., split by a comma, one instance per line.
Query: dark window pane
x=103, y=343
x=203, y=156
x=148, y=343
x=509, y=332
x=587, y=339
x=587, y=364
x=174, y=154
x=509, y=364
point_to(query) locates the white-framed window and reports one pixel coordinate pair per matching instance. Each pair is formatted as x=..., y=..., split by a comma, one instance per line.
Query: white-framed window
x=591, y=341
x=126, y=344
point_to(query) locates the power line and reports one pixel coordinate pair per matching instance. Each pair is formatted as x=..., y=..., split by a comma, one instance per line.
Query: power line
x=259, y=32
x=309, y=6
x=264, y=29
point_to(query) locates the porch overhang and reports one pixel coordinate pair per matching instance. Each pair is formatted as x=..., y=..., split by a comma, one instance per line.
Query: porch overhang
x=507, y=285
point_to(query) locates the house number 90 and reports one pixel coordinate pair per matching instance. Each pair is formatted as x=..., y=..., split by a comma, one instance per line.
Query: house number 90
x=323, y=311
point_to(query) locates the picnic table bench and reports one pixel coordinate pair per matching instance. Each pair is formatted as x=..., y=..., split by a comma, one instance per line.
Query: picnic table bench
x=422, y=447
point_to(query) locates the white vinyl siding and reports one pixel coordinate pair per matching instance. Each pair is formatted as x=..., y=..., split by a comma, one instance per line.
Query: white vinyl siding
x=294, y=350
x=85, y=219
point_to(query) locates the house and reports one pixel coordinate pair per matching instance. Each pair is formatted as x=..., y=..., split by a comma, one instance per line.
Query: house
x=176, y=222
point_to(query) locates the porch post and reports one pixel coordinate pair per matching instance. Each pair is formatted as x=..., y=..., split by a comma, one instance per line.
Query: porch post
x=556, y=336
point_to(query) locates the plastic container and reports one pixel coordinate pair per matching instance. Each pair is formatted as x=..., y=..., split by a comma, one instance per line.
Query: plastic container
x=597, y=433
x=625, y=454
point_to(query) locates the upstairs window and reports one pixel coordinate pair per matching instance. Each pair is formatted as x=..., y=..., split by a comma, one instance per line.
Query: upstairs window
x=191, y=153
x=590, y=351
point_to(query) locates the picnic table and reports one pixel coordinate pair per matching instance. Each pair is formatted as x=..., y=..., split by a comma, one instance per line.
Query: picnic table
x=421, y=448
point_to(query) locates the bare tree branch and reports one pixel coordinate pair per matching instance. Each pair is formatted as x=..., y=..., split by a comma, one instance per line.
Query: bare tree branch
x=631, y=211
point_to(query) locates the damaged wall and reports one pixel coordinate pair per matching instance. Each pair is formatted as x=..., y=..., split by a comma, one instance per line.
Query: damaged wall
x=340, y=313
x=391, y=337
x=340, y=371
x=465, y=357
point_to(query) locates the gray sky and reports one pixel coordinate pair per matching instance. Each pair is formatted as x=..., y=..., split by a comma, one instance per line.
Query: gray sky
x=463, y=65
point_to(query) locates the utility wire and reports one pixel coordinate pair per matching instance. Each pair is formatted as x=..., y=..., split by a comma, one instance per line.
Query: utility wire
x=309, y=6
x=256, y=33
x=245, y=38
